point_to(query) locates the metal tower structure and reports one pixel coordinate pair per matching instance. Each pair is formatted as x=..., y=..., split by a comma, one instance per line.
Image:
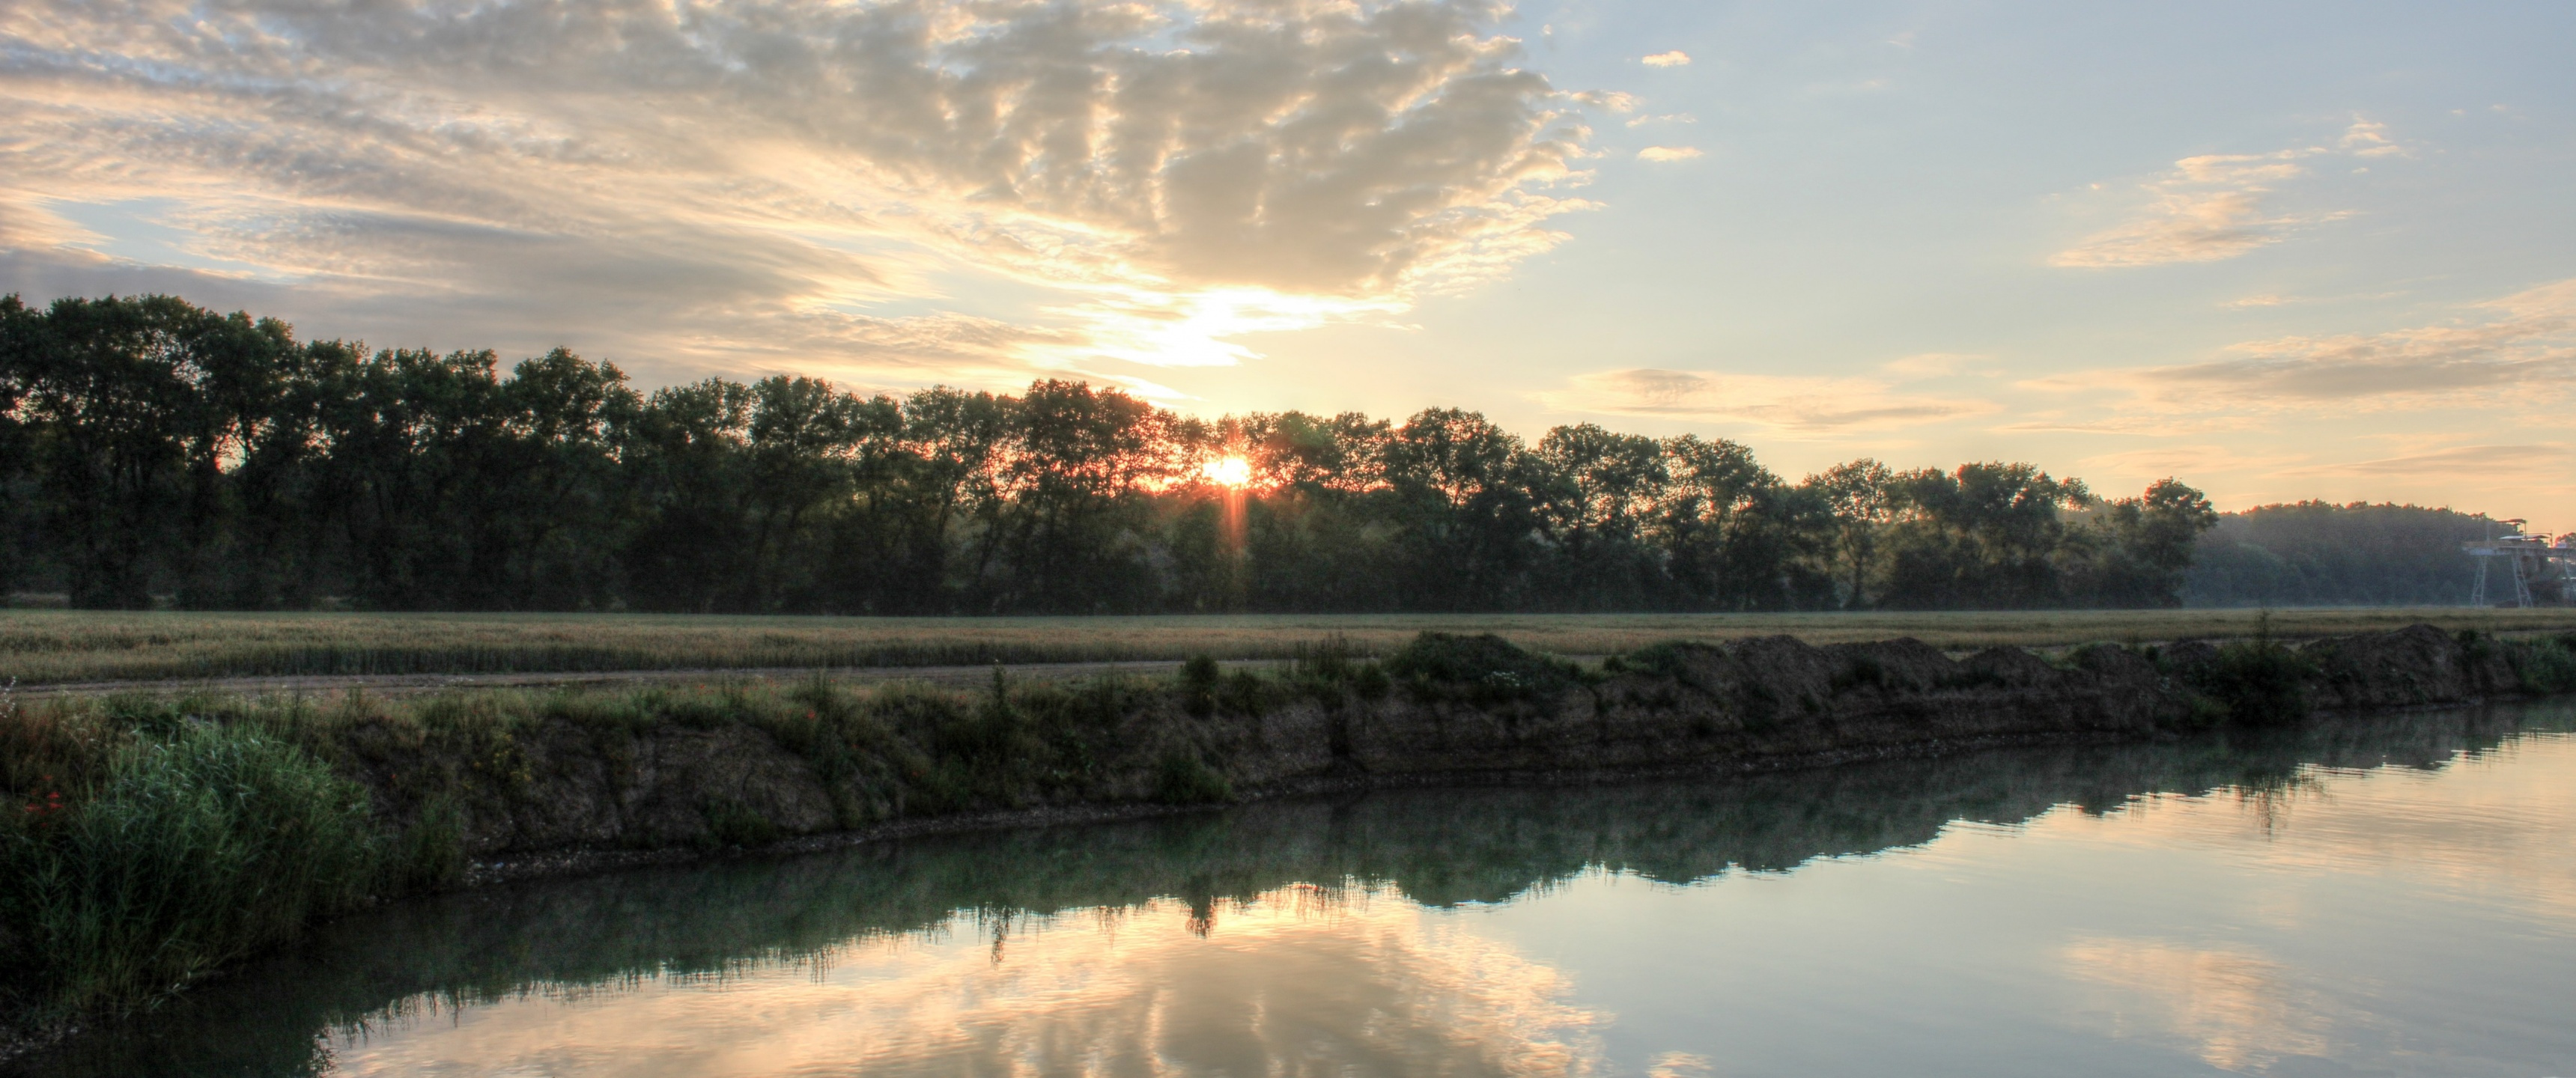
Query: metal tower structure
x=2538, y=569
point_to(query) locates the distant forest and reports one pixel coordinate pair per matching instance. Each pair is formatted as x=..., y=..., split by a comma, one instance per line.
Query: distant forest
x=2323, y=554
x=156, y=452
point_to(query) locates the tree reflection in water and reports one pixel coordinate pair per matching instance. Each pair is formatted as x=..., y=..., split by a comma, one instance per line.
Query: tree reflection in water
x=1437, y=847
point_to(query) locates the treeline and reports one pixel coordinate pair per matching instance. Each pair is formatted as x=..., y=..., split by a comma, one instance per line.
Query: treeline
x=2322, y=554
x=152, y=451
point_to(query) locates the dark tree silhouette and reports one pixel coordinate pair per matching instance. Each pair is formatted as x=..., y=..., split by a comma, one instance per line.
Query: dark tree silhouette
x=153, y=452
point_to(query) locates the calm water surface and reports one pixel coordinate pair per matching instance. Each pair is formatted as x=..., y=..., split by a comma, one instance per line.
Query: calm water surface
x=2393, y=897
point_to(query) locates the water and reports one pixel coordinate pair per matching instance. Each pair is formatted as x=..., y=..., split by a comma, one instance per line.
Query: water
x=2390, y=897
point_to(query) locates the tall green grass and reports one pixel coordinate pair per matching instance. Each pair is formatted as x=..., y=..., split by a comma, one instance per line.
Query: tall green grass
x=2545, y=666
x=190, y=850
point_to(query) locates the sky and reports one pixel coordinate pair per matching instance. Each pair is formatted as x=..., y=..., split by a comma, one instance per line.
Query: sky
x=2278, y=251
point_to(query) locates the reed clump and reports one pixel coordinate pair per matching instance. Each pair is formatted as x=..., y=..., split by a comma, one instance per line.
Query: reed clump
x=2544, y=667
x=155, y=857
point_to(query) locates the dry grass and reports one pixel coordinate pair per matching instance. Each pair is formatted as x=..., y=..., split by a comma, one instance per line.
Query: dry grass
x=52, y=646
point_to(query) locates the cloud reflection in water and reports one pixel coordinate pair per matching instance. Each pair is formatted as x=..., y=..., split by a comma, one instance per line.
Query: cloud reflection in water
x=1300, y=980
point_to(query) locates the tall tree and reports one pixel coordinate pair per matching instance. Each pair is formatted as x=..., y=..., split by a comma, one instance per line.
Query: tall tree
x=2140, y=547
x=1983, y=535
x=115, y=393
x=19, y=328
x=1731, y=531
x=1595, y=490
x=687, y=471
x=1863, y=497
x=1462, y=502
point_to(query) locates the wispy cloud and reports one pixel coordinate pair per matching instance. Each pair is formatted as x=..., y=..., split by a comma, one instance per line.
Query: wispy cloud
x=722, y=173
x=2214, y=206
x=2236, y=1010
x=1675, y=58
x=2514, y=353
x=2089, y=421
x=1783, y=402
x=1941, y=365
x=1668, y=153
x=2366, y=138
x=2187, y=460
x=2268, y=299
x=2551, y=459
x=2208, y=208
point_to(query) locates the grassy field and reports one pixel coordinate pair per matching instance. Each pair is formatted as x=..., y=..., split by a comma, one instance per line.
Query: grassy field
x=58, y=646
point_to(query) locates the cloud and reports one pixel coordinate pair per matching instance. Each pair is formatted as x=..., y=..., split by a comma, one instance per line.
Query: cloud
x=1384, y=988
x=2211, y=207
x=1788, y=403
x=2268, y=299
x=2550, y=459
x=2521, y=347
x=1679, y=1065
x=1675, y=58
x=1668, y=153
x=603, y=170
x=2188, y=460
x=2206, y=209
x=1609, y=100
x=2057, y=421
x=2515, y=355
x=2237, y=1010
x=2367, y=139
x=1941, y=365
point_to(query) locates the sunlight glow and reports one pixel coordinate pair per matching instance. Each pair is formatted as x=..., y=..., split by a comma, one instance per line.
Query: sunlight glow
x=1228, y=471
x=1195, y=328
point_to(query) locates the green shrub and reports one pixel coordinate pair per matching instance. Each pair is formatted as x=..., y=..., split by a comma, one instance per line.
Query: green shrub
x=2259, y=682
x=1331, y=670
x=429, y=855
x=1199, y=672
x=2544, y=666
x=732, y=823
x=1199, y=677
x=1243, y=693
x=1480, y=669
x=1371, y=682
x=1184, y=779
x=192, y=851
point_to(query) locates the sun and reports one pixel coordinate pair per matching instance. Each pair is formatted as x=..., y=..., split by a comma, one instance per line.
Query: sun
x=1228, y=471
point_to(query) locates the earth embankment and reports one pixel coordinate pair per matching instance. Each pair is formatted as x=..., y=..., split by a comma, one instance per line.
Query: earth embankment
x=530, y=788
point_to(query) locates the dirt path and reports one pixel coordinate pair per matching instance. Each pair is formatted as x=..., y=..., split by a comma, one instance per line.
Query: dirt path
x=414, y=684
